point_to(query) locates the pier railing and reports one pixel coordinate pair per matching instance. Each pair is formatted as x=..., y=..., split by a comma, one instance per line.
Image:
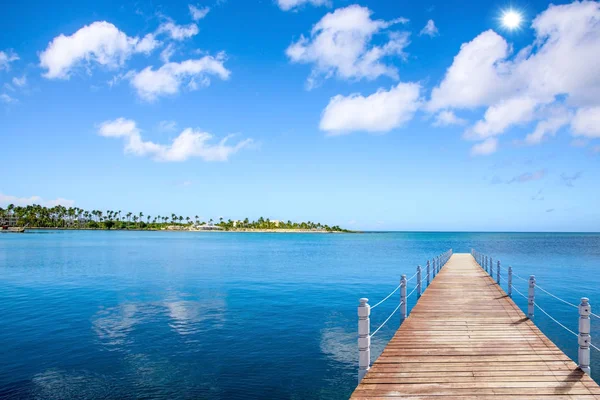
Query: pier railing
x=423, y=277
x=585, y=313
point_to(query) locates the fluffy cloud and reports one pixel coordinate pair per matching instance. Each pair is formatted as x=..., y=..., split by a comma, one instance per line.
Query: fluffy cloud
x=168, y=79
x=287, y=5
x=473, y=79
x=502, y=115
x=100, y=42
x=190, y=143
x=485, y=148
x=556, y=118
x=429, y=29
x=587, y=122
x=6, y=58
x=5, y=200
x=198, y=13
x=178, y=32
x=559, y=69
x=379, y=112
x=447, y=118
x=340, y=45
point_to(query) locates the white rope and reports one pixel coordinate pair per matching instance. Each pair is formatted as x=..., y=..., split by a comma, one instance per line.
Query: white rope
x=412, y=277
x=412, y=292
x=556, y=297
x=523, y=279
x=388, y=318
x=594, y=315
x=387, y=297
x=517, y=290
x=554, y=319
x=594, y=347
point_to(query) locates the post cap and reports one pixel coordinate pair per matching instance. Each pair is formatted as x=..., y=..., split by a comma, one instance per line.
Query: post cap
x=363, y=301
x=584, y=301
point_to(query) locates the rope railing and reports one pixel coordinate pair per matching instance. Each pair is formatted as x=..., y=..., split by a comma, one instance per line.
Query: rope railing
x=585, y=310
x=433, y=267
x=387, y=319
x=387, y=297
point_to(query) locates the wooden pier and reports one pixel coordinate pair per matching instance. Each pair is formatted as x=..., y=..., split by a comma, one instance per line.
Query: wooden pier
x=466, y=339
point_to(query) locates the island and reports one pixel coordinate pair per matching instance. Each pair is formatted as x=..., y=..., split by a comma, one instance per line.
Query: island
x=60, y=217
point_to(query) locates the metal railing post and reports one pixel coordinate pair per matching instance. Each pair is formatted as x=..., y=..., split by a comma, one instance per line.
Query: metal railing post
x=428, y=273
x=418, y=281
x=531, y=297
x=584, y=339
x=498, y=273
x=509, y=281
x=433, y=267
x=403, y=298
x=364, y=338
x=492, y=268
x=486, y=264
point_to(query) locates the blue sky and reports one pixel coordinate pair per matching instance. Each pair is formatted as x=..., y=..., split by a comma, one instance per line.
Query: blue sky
x=371, y=115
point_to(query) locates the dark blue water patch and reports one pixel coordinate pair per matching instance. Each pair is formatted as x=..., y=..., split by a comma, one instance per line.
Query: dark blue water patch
x=181, y=315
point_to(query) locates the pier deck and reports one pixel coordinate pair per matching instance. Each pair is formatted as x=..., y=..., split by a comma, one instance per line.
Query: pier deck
x=466, y=339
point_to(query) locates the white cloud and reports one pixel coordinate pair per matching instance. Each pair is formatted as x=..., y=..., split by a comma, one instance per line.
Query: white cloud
x=100, y=42
x=559, y=69
x=147, y=44
x=340, y=45
x=430, y=29
x=178, y=32
x=557, y=118
x=168, y=79
x=473, y=79
x=287, y=5
x=5, y=98
x=167, y=53
x=587, y=122
x=20, y=82
x=5, y=200
x=190, y=143
x=487, y=147
x=447, y=118
x=6, y=57
x=502, y=115
x=381, y=111
x=198, y=13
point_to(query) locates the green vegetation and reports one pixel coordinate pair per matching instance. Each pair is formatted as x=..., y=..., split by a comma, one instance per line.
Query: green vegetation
x=77, y=218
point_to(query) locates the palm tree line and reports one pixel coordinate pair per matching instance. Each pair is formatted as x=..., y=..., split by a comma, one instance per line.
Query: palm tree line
x=77, y=218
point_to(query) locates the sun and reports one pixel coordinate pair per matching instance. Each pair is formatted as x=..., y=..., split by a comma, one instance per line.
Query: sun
x=511, y=19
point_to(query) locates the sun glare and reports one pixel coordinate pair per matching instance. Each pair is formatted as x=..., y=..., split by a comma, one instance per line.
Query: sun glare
x=511, y=19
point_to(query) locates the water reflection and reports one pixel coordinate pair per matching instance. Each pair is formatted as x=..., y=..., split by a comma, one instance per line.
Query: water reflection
x=191, y=317
x=62, y=385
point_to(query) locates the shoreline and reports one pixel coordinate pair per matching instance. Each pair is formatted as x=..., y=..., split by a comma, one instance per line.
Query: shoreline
x=243, y=230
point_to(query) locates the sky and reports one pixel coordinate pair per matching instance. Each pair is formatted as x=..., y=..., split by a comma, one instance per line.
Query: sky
x=373, y=115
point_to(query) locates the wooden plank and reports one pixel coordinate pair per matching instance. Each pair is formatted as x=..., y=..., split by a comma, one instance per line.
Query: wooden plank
x=466, y=339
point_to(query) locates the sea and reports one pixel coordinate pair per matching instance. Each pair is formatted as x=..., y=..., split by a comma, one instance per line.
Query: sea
x=224, y=315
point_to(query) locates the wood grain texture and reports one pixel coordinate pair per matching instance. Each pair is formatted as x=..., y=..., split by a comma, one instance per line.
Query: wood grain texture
x=466, y=339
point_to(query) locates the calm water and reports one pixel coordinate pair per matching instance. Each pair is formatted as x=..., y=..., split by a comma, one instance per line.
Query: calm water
x=96, y=315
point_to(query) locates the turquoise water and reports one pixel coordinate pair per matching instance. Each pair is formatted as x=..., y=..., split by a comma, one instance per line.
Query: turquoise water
x=182, y=315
